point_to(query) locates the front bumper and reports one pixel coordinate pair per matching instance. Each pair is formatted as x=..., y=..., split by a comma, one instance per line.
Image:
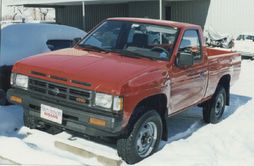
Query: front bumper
x=75, y=120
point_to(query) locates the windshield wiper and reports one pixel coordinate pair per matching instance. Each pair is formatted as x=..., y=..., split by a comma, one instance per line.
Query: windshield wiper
x=132, y=54
x=93, y=48
x=125, y=53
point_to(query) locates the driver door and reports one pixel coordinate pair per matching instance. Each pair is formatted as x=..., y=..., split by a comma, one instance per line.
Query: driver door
x=189, y=84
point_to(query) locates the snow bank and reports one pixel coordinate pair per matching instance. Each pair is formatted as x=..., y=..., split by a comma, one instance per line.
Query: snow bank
x=11, y=119
x=23, y=40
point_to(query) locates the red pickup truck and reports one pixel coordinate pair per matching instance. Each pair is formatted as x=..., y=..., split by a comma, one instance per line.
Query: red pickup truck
x=123, y=80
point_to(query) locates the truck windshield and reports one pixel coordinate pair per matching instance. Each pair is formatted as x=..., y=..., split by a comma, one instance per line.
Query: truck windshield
x=132, y=39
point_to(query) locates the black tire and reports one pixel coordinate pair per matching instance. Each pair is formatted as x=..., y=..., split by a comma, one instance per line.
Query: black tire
x=3, y=100
x=27, y=119
x=147, y=131
x=214, y=108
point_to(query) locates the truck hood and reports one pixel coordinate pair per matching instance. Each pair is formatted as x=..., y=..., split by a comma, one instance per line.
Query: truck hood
x=105, y=72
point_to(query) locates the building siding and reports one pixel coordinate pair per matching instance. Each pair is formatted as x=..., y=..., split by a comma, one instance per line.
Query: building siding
x=96, y=13
x=148, y=9
x=231, y=16
x=224, y=16
x=194, y=12
x=70, y=15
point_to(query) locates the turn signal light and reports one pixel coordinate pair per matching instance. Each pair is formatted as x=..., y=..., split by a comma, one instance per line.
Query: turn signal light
x=16, y=99
x=98, y=122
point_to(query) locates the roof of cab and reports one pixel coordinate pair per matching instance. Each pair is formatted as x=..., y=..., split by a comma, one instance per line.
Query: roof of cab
x=156, y=22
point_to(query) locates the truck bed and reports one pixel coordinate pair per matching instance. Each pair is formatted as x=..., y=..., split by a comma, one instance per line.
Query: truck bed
x=220, y=63
x=216, y=52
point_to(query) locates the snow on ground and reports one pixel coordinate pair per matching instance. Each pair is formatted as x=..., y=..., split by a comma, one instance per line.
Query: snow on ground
x=191, y=142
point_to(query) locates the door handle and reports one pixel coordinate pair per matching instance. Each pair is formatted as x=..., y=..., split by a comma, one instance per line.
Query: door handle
x=201, y=74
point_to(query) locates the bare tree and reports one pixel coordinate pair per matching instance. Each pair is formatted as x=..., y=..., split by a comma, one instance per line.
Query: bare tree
x=17, y=10
x=44, y=12
x=34, y=14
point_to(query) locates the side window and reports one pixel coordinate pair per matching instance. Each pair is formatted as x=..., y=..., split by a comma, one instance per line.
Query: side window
x=191, y=44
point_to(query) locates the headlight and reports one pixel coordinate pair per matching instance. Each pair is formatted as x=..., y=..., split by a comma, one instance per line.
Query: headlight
x=108, y=101
x=21, y=81
x=103, y=100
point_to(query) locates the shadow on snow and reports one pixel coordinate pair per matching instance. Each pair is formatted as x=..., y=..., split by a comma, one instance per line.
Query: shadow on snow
x=182, y=126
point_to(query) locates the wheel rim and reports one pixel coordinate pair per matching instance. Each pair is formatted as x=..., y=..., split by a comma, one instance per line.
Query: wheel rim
x=146, y=139
x=219, y=106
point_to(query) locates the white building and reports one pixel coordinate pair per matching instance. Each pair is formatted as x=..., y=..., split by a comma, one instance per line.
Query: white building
x=224, y=16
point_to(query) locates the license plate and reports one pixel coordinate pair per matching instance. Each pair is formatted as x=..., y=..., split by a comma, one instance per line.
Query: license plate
x=51, y=113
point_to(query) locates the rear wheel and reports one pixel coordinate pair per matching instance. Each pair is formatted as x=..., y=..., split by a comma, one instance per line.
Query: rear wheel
x=214, y=108
x=143, y=140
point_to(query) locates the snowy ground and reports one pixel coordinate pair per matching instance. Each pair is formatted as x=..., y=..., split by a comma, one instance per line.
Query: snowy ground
x=191, y=142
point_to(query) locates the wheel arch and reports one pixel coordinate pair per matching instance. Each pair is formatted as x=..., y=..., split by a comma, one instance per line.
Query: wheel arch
x=225, y=82
x=157, y=102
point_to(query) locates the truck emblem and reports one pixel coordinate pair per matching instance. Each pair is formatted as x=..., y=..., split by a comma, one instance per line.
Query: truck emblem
x=55, y=91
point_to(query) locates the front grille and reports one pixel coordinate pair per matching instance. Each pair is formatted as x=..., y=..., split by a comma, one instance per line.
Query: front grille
x=61, y=92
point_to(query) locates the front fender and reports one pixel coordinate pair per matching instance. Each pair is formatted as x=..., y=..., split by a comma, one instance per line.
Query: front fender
x=148, y=84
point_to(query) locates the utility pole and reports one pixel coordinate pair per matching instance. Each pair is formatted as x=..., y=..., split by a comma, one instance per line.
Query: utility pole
x=160, y=14
x=161, y=10
x=84, y=15
x=1, y=11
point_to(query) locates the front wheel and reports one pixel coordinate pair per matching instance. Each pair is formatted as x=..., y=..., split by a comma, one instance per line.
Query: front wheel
x=214, y=108
x=143, y=139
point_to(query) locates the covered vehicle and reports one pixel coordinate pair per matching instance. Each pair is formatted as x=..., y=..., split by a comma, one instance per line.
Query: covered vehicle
x=19, y=41
x=215, y=39
x=244, y=44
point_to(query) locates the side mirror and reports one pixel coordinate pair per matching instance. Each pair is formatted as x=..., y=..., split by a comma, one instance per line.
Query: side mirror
x=184, y=60
x=75, y=41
